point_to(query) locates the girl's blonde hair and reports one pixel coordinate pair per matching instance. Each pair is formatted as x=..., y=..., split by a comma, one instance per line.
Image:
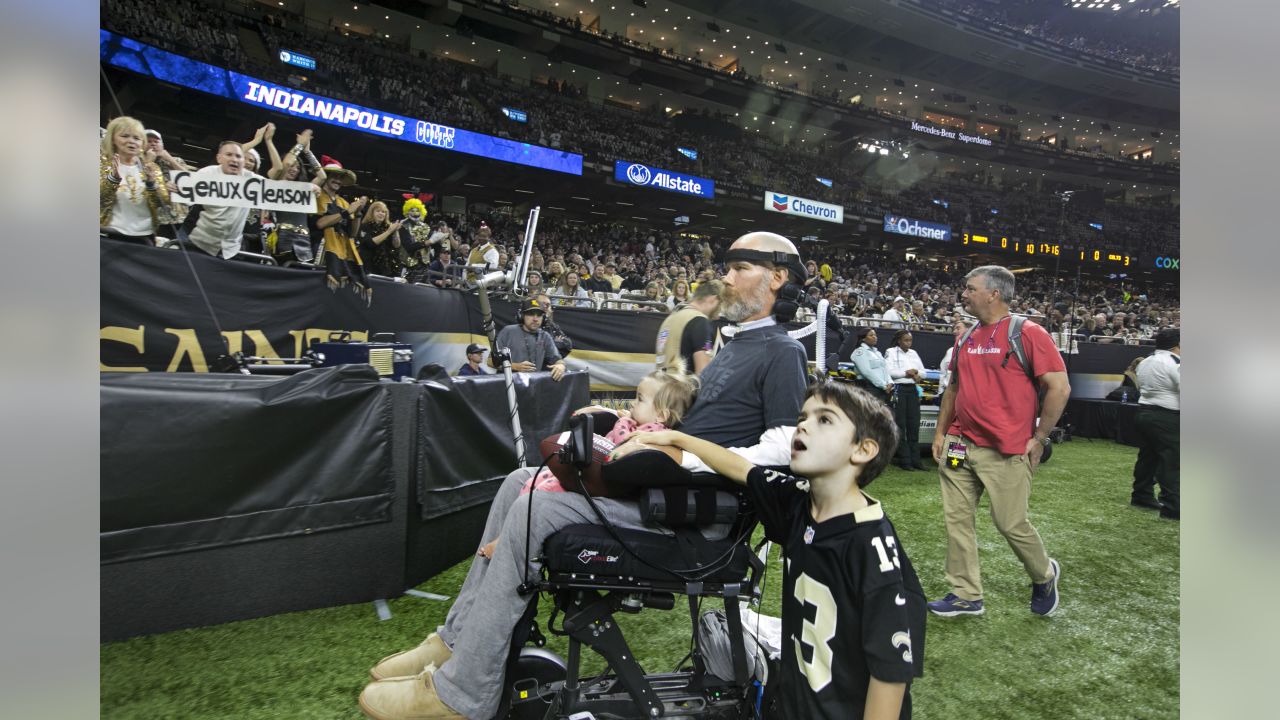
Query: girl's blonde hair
x=675, y=394
x=124, y=122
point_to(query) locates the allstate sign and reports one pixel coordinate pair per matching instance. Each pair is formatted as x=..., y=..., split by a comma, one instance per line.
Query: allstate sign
x=645, y=176
x=916, y=228
x=804, y=207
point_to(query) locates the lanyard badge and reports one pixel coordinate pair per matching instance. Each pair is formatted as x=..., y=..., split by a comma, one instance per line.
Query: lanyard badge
x=956, y=453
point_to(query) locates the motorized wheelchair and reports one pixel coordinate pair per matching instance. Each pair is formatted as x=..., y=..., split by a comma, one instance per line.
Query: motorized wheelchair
x=592, y=572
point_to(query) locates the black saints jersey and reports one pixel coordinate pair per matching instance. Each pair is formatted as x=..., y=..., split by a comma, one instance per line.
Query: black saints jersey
x=852, y=606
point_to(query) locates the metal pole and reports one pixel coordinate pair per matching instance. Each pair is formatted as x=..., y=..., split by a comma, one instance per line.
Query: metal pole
x=487, y=324
x=512, y=279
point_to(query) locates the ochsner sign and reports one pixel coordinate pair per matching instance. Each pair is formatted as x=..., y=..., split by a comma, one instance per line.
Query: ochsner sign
x=804, y=207
x=916, y=228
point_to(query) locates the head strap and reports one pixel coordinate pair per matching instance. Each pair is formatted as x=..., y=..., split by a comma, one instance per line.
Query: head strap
x=787, y=260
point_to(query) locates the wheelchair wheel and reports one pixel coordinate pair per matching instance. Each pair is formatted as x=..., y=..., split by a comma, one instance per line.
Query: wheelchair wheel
x=537, y=675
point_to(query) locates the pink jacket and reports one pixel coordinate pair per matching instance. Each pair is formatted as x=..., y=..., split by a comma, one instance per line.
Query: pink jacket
x=622, y=429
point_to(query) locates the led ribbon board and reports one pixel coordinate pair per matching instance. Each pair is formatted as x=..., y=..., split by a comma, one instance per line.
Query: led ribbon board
x=645, y=176
x=153, y=62
x=916, y=228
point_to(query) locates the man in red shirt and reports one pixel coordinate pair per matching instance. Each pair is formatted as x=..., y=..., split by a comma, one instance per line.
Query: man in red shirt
x=993, y=442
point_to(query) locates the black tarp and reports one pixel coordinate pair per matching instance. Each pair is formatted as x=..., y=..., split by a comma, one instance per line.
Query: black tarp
x=465, y=443
x=194, y=462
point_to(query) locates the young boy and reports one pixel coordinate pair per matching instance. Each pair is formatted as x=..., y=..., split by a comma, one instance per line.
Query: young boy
x=851, y=602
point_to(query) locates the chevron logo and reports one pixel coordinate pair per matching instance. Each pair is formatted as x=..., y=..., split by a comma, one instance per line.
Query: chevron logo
x=780, y=202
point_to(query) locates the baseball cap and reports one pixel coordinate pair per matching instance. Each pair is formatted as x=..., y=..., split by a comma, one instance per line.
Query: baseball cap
x=899, y=299
x=154, y=132
x=531, y=305
x=474, y=348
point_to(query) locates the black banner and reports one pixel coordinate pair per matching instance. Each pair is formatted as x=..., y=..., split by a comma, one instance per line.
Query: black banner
x=194, y=462
x=153, y=319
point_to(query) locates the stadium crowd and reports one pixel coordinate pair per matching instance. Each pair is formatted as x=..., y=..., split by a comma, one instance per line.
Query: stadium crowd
x=380, y=73
x=1148, y=50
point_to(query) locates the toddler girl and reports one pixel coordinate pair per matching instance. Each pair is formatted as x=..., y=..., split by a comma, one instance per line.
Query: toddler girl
x=662, y=399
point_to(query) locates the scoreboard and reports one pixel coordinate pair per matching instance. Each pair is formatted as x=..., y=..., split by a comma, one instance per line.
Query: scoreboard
x=1106, y=257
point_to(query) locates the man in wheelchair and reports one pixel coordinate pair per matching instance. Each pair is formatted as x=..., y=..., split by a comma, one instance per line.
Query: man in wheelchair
x=750, y=396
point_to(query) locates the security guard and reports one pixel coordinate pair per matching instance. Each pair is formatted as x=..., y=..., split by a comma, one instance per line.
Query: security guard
x=1159, y=383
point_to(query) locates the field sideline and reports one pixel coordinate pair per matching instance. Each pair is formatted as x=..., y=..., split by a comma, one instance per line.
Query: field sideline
x=1111, y=650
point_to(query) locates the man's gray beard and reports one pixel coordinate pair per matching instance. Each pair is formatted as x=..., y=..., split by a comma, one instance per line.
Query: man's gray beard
x=742, y=307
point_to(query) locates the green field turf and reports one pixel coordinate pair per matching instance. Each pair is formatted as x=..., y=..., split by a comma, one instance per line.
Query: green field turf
x=1111, y=650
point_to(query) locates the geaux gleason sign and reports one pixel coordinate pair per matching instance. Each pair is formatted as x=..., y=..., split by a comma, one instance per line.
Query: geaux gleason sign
x=645, y=176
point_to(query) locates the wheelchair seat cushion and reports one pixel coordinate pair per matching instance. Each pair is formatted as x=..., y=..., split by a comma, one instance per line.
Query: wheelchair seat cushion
x=592, y=549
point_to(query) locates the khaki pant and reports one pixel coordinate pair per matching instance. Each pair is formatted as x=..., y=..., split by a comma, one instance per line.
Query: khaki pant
x=1007, y=478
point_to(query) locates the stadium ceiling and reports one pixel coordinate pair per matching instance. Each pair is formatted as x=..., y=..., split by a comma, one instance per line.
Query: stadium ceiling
x=898, y=37
x=878, y=53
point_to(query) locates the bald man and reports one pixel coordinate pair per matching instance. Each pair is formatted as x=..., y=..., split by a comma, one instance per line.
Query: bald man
x=750, y=396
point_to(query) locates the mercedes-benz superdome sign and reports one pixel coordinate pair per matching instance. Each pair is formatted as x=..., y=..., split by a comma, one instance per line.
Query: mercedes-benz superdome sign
x=646, y=176
x=916, y=228
x=804, y=207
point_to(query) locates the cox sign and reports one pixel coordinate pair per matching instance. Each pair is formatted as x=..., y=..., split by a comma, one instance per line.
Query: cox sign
x=804, y=207
x=1168, y=263
x=916, y=228
x=645, y=176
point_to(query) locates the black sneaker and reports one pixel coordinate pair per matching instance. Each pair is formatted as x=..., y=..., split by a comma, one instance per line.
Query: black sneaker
x=951, y=606
x=1044, y=596
x=1151, y=503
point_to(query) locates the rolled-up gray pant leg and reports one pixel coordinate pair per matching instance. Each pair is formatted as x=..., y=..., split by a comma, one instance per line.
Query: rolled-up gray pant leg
x=507, y=494
x=471, y=682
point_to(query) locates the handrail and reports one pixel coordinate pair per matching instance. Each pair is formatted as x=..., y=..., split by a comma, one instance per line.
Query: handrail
x=256, y=257
x=1113, y=340
x=574, y=299
x=622, y=301
x=850, y=321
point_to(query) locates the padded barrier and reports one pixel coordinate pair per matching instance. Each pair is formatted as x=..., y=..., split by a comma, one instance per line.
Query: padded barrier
x=194, y=462
x=227, y=497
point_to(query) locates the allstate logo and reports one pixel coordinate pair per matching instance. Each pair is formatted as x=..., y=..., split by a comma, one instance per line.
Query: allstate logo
x=639, y=174
x=421, y=132
x=780, y=202
x=285, y=56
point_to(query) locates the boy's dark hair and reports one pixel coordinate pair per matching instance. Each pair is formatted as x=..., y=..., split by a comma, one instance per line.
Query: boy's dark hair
x=870, y=417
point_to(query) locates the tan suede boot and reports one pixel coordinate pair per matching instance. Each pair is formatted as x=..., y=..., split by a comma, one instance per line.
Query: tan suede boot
x=431, y=651
x=406, y=698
